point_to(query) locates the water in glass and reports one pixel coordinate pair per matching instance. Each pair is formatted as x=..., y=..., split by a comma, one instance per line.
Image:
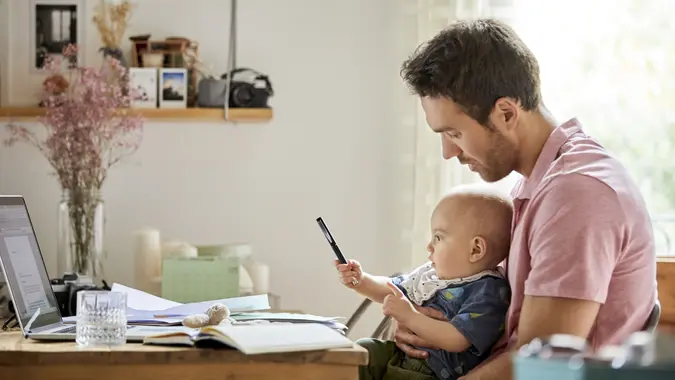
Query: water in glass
x=101, y=318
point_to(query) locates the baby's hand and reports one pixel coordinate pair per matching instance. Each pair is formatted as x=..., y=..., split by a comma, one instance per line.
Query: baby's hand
x=397, y=306
x=350, y=273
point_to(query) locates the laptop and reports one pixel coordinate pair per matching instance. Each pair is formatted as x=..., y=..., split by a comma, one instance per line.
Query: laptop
x=26, y=277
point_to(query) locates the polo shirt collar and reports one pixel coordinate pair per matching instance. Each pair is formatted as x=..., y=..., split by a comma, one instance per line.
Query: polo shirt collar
x=548, y=154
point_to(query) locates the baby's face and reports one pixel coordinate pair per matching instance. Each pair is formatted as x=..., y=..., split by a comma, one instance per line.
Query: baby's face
x=450, y=246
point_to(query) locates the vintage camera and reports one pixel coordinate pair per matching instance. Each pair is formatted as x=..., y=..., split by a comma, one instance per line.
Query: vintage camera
x=249, y=94
x=66, y=289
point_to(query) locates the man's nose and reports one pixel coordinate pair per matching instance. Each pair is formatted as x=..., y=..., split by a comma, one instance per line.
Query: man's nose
x=450, y=149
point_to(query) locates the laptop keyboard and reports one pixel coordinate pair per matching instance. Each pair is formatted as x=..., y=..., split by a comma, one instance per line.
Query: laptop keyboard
x=73, y=330
x=67, y=330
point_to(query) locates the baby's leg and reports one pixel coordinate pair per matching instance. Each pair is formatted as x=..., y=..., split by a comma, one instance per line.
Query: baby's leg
x=388, y=362
x=380, y=353
x=410, y=369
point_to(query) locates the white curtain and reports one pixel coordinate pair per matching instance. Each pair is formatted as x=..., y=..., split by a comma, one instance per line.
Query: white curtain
x=432, y=175
x=613, y=69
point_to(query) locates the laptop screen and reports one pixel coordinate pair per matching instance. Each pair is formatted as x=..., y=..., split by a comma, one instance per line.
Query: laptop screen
x=24, y=266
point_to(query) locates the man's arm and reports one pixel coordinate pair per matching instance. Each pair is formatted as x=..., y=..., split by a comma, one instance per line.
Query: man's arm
x=575, y=240
x=476, y=326
x=406, y=340
x=440, y=334
x=541, y=317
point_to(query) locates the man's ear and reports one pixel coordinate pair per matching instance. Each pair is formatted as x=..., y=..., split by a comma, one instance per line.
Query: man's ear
x=478, y=249
x=505, y=114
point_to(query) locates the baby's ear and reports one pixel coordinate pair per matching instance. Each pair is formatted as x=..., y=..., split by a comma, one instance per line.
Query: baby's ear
x=478, y=249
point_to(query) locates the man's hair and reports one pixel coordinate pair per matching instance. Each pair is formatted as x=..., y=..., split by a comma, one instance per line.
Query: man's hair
x=474, y=63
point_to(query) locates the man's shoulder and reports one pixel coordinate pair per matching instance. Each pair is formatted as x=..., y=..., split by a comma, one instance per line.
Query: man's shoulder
x=601, y=186
x=570, y=200
x=584, y=164
x=574, y=183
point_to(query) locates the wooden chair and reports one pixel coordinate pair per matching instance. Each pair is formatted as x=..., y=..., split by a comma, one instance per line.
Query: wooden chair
x=653, y=319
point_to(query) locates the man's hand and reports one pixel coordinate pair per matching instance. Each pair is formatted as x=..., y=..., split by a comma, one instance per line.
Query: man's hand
x=397, y=306
x=406, y=340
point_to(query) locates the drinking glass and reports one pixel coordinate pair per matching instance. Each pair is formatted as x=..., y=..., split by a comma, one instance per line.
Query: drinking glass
x=101, y=318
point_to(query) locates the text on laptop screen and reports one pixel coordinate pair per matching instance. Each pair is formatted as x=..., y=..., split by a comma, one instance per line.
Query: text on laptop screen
x=24, y=266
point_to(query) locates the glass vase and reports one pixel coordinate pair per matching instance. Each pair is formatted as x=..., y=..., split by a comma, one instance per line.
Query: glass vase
x=115, y=53
x=81, y=225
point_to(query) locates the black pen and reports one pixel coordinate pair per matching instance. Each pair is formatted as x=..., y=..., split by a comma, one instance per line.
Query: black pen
x=333, y=244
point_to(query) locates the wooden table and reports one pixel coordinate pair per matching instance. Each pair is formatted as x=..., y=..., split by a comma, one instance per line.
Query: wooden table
x=26, y=359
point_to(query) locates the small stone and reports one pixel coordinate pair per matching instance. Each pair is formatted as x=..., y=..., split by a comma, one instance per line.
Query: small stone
x=227, y=322
x=217, y=313
x=196, y=321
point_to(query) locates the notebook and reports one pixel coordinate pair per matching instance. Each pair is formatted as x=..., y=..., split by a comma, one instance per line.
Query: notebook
x=258, y=338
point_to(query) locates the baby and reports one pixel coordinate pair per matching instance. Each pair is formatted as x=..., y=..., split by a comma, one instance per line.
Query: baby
x=471, y=235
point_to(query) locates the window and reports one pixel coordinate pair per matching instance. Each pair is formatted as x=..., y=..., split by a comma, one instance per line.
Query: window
x=611, y=63
x=61, y=25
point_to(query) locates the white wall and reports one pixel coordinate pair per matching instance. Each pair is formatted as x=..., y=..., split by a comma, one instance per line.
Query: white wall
x=335, y=148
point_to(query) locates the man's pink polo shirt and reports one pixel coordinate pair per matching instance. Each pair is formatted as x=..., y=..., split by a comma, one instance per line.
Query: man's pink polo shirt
x=581, y=230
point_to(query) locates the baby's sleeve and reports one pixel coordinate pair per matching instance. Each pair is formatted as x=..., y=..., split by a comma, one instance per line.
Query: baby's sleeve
x=482, y=314
x=405, y=281
x=399, y=282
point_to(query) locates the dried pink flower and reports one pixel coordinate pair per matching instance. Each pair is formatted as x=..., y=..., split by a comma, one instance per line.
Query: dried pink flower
x=89, y=128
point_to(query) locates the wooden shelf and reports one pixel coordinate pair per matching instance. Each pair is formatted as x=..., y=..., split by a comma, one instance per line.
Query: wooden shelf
x=251, y=115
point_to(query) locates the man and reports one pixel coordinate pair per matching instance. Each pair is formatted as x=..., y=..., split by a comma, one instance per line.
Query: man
x=582, y=258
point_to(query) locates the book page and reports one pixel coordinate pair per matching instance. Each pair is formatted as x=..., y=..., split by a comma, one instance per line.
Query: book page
x=282, y=337
x=142, y=301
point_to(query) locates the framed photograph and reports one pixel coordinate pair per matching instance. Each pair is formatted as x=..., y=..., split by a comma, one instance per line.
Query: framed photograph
x=143, y=83
x=53, y=25
x=173, y=88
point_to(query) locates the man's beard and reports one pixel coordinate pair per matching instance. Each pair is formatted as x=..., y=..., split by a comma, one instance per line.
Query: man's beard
x=500, y=158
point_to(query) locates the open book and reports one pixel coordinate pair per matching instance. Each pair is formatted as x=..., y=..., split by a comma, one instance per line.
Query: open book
x=259, y=338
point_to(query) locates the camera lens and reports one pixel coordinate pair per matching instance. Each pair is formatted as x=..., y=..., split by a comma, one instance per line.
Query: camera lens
x=241, y=95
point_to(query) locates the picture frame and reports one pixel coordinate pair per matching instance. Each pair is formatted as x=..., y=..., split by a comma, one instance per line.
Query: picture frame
x=173, y=88
x=53, y=24
x=144, y=87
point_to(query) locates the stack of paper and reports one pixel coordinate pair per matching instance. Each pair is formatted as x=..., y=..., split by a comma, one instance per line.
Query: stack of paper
x=149, y=310
x=290, y=318
x=146, y=309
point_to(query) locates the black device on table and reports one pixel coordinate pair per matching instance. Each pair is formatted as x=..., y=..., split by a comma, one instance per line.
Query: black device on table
x=66, y=289
x=333, y=244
